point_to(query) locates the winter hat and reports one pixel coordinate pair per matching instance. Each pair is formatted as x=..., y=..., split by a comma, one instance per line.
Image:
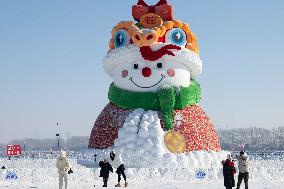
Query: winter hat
x=62, y=153
x=244, y=154
x=112, y=155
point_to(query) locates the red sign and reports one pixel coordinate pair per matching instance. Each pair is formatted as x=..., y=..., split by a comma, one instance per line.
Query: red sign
x=13, y=150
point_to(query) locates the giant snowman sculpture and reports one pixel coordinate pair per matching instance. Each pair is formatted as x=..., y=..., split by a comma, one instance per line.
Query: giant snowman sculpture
x=153, y=114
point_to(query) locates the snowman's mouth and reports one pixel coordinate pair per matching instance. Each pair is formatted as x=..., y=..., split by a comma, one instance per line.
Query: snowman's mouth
x=147, y=87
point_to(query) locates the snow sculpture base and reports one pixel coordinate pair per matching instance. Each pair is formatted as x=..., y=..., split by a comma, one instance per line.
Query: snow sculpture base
x=193, y=160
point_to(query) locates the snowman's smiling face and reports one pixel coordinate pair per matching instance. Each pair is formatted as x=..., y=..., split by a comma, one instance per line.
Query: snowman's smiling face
x=134, y=73
x=140, y=76
x=146, y=72
x=146, y=59
x=149, y=76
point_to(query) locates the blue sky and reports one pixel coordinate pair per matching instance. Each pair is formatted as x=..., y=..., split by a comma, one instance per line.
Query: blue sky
x=51, y=62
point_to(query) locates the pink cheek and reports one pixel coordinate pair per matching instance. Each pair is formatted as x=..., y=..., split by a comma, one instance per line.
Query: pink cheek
x=124, y=73
x=171, y=72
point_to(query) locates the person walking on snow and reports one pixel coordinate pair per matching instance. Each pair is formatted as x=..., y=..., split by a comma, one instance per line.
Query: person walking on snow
x=105, y=169
x=228, y=171
x=63, y=166
x=116, y=161
x=243, y=169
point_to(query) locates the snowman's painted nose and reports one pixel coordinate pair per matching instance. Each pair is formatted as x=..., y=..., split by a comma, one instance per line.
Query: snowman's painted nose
x=146, y=72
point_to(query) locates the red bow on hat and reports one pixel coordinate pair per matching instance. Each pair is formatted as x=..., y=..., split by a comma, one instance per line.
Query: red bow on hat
x=162, y=9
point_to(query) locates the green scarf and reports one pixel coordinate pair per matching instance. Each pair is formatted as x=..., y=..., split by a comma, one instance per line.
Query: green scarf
x=165, y=100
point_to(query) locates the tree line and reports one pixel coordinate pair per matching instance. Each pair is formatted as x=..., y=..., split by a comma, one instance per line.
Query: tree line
x=250, y=139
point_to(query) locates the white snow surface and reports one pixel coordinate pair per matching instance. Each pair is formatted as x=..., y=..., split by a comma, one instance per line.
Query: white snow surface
x=41, y=173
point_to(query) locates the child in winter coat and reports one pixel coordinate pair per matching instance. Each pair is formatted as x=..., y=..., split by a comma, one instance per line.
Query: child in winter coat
x=228, y=171
x=63, y=166
x=116, y=162
x=105, y=169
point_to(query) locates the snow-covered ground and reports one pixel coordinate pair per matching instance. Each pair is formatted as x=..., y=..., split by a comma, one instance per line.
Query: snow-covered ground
x=41, y=173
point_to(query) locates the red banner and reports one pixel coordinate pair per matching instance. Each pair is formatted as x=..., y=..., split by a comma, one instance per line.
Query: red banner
x=13, y=150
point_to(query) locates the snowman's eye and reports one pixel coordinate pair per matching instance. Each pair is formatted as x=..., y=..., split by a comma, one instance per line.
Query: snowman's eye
x=121, y=38
x=176, y=36
x=135, y=66
x=159, y=65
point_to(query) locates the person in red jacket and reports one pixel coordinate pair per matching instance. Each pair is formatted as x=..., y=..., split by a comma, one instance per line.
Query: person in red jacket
x=229, y=171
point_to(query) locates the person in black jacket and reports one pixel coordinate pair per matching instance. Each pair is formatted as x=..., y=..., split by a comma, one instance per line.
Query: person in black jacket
x=105, y=169
x=228, y=171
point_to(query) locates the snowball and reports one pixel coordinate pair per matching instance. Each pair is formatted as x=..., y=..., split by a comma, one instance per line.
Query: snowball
x=133, y=129
x=193, y=163
x=182, y=160
x=131, y=137
x=143, y=132
x=127, y=129
x=144, y=124
x=129, y=151
x=131, y=123
x=148, y=144
x=140, y=141
x=145, y=117
x=156, y=123
x=131, y=145
x=151, y=118
x=158, y=141
x=155, y=132
x=136, y=118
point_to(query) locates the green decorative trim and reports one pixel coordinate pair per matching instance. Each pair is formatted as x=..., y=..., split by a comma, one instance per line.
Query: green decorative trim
x=165, y=100
x=167, y=103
